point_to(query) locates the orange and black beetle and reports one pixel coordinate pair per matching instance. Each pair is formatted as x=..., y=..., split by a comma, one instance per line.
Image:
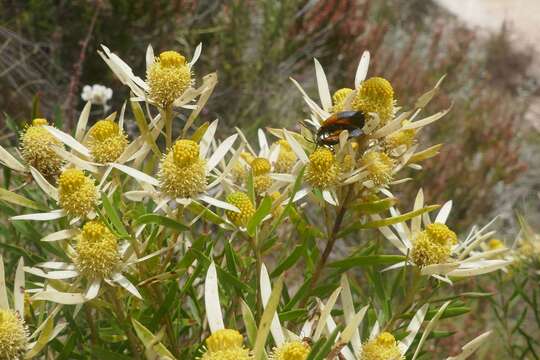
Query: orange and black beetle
x=352, y=121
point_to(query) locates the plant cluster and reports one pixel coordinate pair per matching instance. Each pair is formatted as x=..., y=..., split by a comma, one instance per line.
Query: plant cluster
x=197, y=244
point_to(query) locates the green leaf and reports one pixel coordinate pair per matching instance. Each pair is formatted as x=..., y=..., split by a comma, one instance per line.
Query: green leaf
x=293, y=315
x=149, y=340
x=225, y=276
x=105, y=354
x=207, y=214
x=262, y=211
x=266, y=319
x=249, y=321
x=375, y=207
x=326, y=345
x=143, y=127
x=43, y=339
x=396, y=219
x=425, y=154
x=367, y=260
x=113, y=216
x=17, y=199
x=161, y=220
x=447, y=313
x=68, y=347
x=199, y=133
x=289, y=261
x=287, y=209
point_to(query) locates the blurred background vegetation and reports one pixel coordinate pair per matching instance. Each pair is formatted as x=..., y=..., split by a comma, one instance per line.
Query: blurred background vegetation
x=488, y=165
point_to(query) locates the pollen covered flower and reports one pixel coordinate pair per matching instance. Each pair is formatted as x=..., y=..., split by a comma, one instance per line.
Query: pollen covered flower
x=182, y=172
x=401, y=138
x=247, y=157
x=495, y=244
x=292, y=350
x=96, y=251
x=261, y=175
x=242, y=202
x=348, y=162
x=379, y=167
x=433, y=245
x=37, y=151
x=226, y=344
x=338, y=99
x=13, y=335
x=375, y=95
x=383, y=347
x=77, y=192
x=286, y=157
x=322, y=171
x=168, y=77
x=106, y=141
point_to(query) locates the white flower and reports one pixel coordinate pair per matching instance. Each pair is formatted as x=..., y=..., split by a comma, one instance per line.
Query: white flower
x=286, y=340
x=97, y=94
x=97, y=256
x=436, y=249
x=208, y=193
x=382, y=344
x=263, y=165
x=15, y=340
x=142, y=88
x=76, y=195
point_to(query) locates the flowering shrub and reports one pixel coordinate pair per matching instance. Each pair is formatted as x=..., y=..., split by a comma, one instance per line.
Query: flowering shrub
x=198, y=244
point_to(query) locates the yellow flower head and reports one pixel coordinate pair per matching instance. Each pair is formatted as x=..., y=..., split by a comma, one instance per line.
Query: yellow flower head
x=338, y=99
x=379, y=167
x=106, y=141
x=322, y=171
x=286, y=157
x=292, y=350
x=238, y=173
x=39, y=121
x=13, y=335
x=375, y=95
x=242, y=202
x=182, y=172
x=401, y=138
x=433, y=245
x=247, y=157
x=77, y=192
x=348, y=162
x=172, y=59
x=226, y=344
x=230, y=354
x=260, y=166
x=383, y=347
x=495, y=244
x=261, y=179
x=96, y=251
x=168, y=77
x=224, y=339
x=37, y=149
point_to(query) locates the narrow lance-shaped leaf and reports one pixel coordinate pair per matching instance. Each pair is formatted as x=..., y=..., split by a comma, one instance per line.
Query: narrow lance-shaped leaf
x=150, y=341
x=17, y=199
x=266, y=319
x=266, y=291
x=429, y=328
x=397, y=219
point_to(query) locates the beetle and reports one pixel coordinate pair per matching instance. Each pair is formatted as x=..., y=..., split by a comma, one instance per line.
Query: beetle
x=352, y=121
